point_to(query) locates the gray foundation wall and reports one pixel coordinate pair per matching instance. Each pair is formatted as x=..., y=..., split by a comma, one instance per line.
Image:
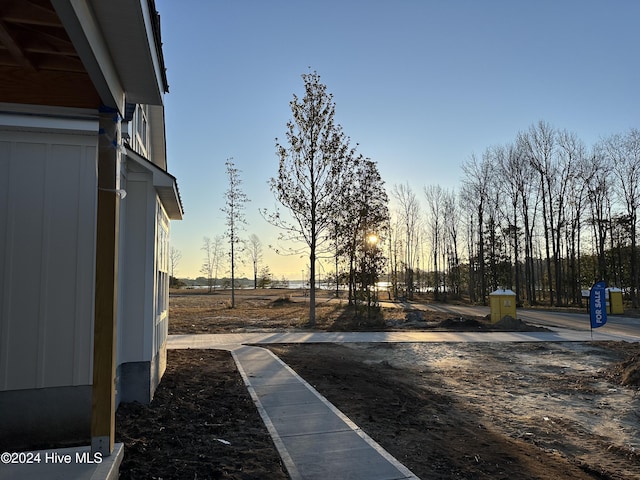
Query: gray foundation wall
x=137, y=381
x=41, y=417
x=61, y=416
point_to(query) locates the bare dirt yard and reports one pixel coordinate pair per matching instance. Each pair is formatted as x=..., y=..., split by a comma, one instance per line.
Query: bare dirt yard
x=447, y=411
x=201, y=424
x=486, y=410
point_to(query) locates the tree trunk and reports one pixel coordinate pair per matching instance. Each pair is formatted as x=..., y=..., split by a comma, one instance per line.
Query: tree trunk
x=255, y=276
x=233, y=276
x=312, y=286
x=483, y=280
x=634, y=258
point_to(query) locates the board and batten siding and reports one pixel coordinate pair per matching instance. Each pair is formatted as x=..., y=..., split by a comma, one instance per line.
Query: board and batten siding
x=48, y=183
x=143, y=291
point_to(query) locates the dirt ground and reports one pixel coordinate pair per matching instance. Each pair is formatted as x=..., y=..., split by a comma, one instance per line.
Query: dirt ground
x=487, y=410
x=201, y=424
x=191, y=311
x=447, y=411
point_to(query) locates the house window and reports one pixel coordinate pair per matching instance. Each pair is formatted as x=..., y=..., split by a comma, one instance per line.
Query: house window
x=162, y=275
x=162, y=260
x=141, y=134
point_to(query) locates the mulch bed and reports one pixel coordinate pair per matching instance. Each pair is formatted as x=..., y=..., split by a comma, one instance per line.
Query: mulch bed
x=201, y=424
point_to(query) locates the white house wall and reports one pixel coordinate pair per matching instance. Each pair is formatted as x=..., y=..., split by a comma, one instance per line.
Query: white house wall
x=137, y=271
x=48, y=188
x=143, y=292
x=161, y=314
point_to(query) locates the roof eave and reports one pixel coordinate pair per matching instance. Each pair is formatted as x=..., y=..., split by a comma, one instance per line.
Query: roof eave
x=165, y=184
x=119, y=44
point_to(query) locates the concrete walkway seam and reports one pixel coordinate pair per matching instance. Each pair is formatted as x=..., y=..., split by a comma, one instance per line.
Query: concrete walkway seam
x=293, y=471
x=282, y=450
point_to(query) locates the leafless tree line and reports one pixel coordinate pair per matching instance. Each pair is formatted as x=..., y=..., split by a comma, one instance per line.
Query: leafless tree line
x=543, y=215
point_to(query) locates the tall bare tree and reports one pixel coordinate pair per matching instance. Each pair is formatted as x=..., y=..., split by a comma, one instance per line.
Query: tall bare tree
x=254, y=247
x=451, y=213
x=174, y=259
x=623, y=154
x=309, y=173
x=409, y=217
x=478, y=175
x=523, y=177
x=539, y=144
x=211, y=259
x=435, y=195
x=569, y=194
x=509, y=163
x=599, y=195
x=233, y=209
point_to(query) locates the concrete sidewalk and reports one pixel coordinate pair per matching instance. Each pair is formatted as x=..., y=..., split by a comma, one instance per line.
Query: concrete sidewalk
x=314, y=439
x=229, y=340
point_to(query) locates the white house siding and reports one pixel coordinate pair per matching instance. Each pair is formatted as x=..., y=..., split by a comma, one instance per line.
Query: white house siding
x=47, y=248
x=48, y=182
x=143, y=293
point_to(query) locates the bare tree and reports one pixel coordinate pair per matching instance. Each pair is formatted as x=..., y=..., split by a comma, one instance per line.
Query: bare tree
x=477, y=193
x=539, y=144
x=235, y=199
x=254, y=247
x=435, y=223
x=174, y=259
x=395, y=246
x=523, y=177
x=451, y=215
x=309, y=173
x=553, y=188
x=510, y=163
x=623, y=154
x=209, y=261
x=568, y=196
x=599, y=194
x=409, y=216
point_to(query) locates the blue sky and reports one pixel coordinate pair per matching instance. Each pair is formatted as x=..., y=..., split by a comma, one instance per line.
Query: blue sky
x=420, y=85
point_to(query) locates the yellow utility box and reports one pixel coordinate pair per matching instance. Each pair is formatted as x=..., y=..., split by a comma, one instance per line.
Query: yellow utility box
x=614, y=300
x=502, y=303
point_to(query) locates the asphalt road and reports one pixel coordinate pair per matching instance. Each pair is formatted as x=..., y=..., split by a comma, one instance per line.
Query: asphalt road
x=617, y=326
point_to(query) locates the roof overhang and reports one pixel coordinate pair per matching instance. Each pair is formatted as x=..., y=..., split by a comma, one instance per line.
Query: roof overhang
x=165, y=184
x=157, y=136
x=118, y=42
x=131, y=29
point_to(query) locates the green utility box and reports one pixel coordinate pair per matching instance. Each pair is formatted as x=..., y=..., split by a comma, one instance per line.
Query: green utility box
x=614, y=301
x=503, y=304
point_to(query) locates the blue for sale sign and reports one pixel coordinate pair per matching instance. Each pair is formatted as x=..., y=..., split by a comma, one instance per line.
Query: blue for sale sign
x=598, y=304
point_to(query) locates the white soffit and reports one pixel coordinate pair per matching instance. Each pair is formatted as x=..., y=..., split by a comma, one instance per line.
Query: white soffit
x=128, y=30
x=115, y=42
